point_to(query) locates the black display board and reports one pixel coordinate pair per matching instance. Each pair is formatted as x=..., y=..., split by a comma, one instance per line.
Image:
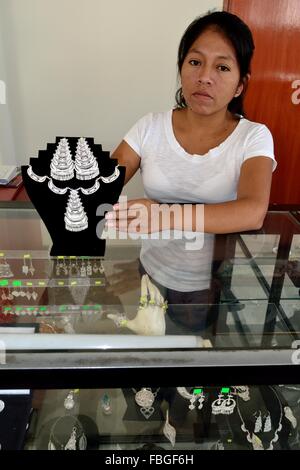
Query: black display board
x=52, y=205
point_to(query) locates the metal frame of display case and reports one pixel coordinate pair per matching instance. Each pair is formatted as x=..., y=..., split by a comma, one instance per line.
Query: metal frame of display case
x=112, y=369
x=274, y=290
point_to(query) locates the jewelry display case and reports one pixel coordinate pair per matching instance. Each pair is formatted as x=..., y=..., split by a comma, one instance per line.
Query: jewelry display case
x=93, y=355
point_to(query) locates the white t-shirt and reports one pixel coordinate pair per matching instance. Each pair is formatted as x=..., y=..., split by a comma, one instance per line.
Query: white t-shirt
x=171, y=175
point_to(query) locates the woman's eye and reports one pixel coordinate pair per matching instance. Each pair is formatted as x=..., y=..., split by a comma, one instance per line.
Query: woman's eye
x=223, y=68
x=194, y=62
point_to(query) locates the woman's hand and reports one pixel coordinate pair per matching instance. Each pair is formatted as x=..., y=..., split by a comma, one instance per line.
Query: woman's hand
x=135, y=216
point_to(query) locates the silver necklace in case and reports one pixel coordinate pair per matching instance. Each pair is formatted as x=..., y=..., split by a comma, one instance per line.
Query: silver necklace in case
x=76, y=440
x=253, y=438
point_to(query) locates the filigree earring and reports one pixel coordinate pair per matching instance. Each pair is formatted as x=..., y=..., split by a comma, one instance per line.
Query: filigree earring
x=31, y=268
x=5, y=269
x=101, y=268
x=83, y=269
x=86, y=165
x=89, y=269
x=217, y=405
x=228, y=405
x=197, y=395
x=25, y=268
x=268, y=423
x=258, y=422
x=62, y=165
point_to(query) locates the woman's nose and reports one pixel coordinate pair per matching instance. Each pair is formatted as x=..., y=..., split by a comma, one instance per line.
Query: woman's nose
x=204, y=75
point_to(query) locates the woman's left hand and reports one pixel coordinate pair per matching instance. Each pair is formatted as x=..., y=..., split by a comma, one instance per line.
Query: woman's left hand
x=134, y=216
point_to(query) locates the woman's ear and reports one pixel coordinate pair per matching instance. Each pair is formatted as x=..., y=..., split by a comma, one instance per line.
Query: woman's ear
x=242, y=85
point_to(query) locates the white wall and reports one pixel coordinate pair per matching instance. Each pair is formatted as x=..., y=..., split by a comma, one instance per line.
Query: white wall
x=7, y=150
x=88, y=67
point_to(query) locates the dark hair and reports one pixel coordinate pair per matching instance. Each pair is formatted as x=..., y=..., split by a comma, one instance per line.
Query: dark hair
x=240, y=36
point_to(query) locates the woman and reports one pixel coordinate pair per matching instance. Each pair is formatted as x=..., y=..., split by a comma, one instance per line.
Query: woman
x=203, y=152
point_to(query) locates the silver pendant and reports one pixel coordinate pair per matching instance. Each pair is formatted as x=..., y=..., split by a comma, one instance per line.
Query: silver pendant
x=145, y=399
x=69, y=402
x=75, y=217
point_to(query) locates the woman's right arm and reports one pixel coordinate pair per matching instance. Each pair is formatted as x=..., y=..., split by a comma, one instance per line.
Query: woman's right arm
x=127, y=157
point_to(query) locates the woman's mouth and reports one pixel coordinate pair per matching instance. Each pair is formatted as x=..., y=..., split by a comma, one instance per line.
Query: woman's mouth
x=202, y=96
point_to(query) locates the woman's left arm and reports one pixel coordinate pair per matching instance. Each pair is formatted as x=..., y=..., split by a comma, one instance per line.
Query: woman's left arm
x=247, y=212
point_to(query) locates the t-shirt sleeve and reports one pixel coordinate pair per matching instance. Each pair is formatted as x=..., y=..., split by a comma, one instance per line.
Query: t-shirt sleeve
x=260, y=144
x=136, y=135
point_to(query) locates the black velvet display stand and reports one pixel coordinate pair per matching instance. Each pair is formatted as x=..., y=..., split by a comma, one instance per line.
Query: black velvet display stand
x=262, y=399
x=52, y=207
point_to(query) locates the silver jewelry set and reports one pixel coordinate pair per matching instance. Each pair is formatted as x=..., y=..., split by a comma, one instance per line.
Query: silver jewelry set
x=79, y=267
x=8, y=293
x=224, y=404
x=196, y=396
x=6, y=271
x=63, y=168
x=264, y=424
x=71, y=440
x=145, y=399
x=252, y=436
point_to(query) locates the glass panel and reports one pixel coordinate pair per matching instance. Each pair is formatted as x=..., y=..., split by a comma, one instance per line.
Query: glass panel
x=248, y=296
x=157, y=418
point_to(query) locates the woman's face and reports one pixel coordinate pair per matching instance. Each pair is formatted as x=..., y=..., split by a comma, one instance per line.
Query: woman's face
x=210, y=75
